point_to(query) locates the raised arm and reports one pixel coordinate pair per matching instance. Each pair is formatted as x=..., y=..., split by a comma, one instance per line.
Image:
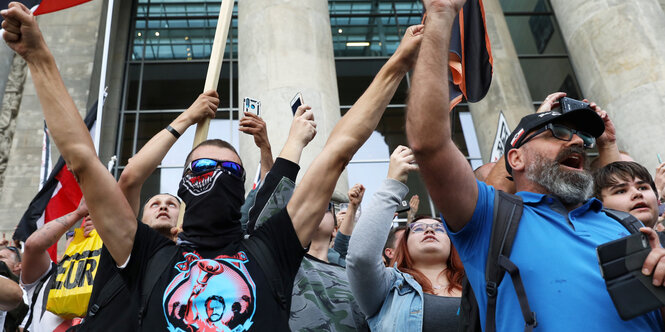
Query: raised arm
x=355, y=198
x=11, y=294
x=312, y=195
x=114, y=218
x=278, y=186
x=253, y=125
x=141, y=165
x=445, y=170
x=370, y=280
x=36, y=260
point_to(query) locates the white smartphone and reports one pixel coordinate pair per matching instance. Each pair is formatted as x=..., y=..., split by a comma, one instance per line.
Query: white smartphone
x=251, y=105
x=296, y=102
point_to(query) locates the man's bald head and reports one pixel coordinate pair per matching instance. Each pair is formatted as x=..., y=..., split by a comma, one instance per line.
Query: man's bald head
x=483, y=171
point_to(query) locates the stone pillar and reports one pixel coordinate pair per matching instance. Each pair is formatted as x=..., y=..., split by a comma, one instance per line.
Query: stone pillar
x=617, y=49
x=284, y=47
x=508, y=92
x=72, y=37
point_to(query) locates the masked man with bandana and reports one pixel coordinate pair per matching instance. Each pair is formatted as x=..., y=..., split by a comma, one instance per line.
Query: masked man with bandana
x=211, y=256
x=560, y=227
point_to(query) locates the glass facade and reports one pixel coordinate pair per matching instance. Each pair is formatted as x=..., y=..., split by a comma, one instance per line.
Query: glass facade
x=540, y=48
x=170, y=43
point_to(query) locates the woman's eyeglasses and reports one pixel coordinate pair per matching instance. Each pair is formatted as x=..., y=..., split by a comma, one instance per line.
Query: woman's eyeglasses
x=203, y=165
x=419, y=227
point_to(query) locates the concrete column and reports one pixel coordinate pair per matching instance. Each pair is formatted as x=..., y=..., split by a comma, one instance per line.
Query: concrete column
x=617, y=49
x=284, y=47
x=508, y=92
x=72, y=36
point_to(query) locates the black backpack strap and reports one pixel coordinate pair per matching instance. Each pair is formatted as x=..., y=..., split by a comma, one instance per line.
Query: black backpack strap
x=38, y=289
x=259, y=251
x=155, y=268
x=108, y=292
x=626, y=219
x=507, y=214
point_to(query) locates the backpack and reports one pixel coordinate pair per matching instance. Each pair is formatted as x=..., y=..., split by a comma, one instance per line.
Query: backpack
x=507, y=214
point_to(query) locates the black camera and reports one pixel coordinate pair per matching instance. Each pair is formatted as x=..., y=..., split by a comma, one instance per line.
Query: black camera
x=621, y=262
x=570, y=104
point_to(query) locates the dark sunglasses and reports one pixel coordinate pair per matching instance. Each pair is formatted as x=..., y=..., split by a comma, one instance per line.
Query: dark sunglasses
x=419, y=227
x=69, y=234
x=16, y=251
x=565, y=134
x=203, y=165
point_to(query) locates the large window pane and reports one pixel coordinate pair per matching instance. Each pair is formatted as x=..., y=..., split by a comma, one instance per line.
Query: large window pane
x=547, y=75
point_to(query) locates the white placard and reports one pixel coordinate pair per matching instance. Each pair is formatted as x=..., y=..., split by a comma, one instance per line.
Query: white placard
x=502, y=132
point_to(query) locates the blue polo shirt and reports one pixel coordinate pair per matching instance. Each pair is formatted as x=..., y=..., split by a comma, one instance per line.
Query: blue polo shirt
x=556, y=254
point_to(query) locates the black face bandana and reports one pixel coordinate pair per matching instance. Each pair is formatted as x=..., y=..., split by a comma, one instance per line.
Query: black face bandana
x=212, y=213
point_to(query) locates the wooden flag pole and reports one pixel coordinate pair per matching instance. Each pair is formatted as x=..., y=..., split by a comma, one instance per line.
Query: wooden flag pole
x=215, y=65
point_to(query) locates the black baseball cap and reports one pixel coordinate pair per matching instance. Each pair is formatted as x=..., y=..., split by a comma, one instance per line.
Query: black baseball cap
x=584, y=118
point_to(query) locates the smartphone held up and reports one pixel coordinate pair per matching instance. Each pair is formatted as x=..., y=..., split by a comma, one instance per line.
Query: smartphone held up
x=296, y=102
x=251, y=105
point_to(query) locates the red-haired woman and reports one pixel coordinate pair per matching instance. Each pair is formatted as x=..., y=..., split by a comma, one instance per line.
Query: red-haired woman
x=422, y=289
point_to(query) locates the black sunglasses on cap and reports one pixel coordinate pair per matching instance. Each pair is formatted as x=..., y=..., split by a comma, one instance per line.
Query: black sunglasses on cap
x=203, y=165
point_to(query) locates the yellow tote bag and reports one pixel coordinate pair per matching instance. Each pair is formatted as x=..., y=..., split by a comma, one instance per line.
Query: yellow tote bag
x=71, y=290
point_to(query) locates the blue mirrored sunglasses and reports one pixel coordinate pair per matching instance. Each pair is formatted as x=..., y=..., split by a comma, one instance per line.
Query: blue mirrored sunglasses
x=203, y=165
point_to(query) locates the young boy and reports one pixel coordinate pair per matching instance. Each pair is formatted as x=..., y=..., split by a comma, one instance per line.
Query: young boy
x=627, y=186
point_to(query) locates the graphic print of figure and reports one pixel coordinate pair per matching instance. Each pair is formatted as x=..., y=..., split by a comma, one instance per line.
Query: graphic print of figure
x=210, y=294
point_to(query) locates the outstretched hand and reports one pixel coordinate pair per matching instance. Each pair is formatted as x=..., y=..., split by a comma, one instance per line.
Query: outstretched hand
x=356, y=194
x=82, y=209
x=551, y=102
x=402, y=162
x=408, y=48
x=453, y=6
x=654, y=264
x=88, y=226
x=609, y=136
x=252, y=124
x=22, y=33
x=204, y=107
x=303, y=127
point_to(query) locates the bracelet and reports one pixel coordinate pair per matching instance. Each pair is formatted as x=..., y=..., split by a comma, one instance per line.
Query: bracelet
x=173, y=131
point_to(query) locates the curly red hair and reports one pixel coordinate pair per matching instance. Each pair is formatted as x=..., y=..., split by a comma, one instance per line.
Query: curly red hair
x=454, y=273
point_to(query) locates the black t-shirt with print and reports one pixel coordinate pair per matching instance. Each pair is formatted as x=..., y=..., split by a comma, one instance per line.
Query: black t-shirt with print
x=208, y=290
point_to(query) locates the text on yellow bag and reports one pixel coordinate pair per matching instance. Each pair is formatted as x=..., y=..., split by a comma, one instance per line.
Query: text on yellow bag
x=76, y=271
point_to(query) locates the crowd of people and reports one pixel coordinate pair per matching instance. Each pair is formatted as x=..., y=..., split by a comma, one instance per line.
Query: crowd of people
x=285, y=257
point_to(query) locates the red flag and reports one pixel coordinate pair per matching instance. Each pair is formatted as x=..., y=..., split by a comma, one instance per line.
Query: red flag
x=43, y=6
x=65, y=199
x=49, y=6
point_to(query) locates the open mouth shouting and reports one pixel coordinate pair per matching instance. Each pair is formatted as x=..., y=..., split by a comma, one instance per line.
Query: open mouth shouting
x=573, y=160
x=640, y=206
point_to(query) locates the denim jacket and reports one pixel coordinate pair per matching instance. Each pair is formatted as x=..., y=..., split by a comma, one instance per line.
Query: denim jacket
x=402, y=309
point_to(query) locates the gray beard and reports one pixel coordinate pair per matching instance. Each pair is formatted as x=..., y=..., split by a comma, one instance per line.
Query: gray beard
x=570, y=187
